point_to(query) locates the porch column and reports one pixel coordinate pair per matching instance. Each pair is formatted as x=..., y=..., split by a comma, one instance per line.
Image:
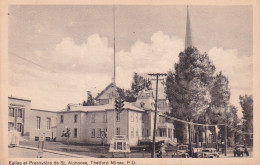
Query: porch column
x=172, y=134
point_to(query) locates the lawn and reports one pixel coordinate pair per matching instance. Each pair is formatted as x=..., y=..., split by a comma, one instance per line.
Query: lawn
x=91, y=150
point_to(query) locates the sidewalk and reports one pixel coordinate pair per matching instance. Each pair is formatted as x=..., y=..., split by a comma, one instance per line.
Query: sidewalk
x=54, y=152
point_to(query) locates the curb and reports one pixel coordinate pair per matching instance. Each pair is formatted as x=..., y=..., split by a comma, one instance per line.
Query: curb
x=54, y=152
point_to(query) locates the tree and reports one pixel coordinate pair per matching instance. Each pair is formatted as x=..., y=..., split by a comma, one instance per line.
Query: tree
x=66, y=133
x=90, y=100
x=139, y=83
x=220, y=96
x=188, y=88
x=126, y=95
x=246, y=103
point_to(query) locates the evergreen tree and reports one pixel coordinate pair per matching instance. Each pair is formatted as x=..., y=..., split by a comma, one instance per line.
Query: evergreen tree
x=139, y=83
x=246, y=103
x=188, y=88
x=220, y=96
x=90, y=101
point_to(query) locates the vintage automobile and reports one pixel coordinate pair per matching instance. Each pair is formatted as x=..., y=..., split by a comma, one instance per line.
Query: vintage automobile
x=209, y=153
x=196, y=152
x=239, y=150
x=182, y=152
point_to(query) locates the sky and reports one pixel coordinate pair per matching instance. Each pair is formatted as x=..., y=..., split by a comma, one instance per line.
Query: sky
x=57, y=53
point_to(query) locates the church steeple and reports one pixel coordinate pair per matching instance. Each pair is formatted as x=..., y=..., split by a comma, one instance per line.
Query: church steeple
x=188, y=36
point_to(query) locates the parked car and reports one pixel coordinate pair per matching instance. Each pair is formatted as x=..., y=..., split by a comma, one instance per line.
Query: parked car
x=239, y=150
x=197, y=152
x=182, y=152
x=209, y=153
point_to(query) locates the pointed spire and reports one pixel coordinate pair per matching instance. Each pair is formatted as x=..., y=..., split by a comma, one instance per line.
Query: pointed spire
x=188, y=37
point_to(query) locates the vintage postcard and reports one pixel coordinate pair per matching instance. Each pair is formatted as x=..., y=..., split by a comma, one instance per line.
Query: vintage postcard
x=129, y=83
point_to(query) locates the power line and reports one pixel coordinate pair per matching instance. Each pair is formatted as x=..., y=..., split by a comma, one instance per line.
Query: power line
x=48, y=69
x=208, y=125
x=30, y=61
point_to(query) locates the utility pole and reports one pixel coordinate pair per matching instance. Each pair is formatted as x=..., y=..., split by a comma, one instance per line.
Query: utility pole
x=155, y=114
x=206, y=129
x=225, y=140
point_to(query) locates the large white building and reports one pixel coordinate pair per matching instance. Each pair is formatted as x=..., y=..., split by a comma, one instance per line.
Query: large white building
x=30, y=122
x=87, y=123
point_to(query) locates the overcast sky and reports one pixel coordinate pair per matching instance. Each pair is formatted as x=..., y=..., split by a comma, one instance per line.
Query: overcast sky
x=57, y=53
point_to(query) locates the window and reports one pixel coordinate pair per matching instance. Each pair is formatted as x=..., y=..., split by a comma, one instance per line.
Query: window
x=117, y=116
x=10, y=126
x=169, y=132
x=47, y=138
x=48, y=123
x=137, y=133
x=137, y=117
x=11, y=111
x=93, y=132
x=36, y=138
x=105, y=132
x=152, y=105
x=143, y=132
x=75, y=118
x=142, y=118
x=93, y=118
x=117, y=131
x=38, y=122
x=132, y=132
x=61, y=118
x=99, y=132
x=75, y=132
x=105, y=117
x=20, y=113
x=132, y=116
x=19, y=127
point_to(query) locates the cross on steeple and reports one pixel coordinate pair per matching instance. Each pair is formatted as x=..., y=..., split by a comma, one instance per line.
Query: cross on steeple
x=188, y=37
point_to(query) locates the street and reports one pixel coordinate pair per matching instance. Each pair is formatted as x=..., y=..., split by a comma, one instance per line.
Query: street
x=23, y=152
x=17, y=152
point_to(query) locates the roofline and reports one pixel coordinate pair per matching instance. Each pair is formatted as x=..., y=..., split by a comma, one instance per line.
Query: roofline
x=68, y=111
x=98, y=110
x=43, y=110
x=19, y=99
x=103, y=91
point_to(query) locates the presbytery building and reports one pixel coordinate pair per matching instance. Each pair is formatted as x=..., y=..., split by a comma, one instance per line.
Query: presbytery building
x=93, y=124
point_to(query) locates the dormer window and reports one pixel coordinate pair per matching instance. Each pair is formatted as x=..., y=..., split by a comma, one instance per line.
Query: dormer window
x=142, y=104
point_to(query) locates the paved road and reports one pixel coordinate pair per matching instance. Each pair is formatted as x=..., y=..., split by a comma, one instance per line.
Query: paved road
x=231, y=155
x=16, y=152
